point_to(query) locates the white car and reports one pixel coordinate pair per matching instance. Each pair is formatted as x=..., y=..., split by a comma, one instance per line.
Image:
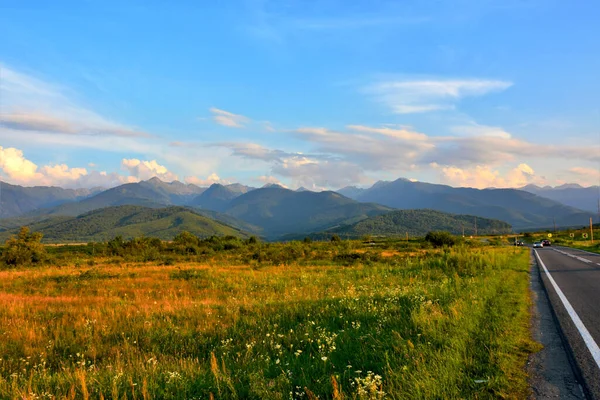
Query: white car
x=538, y=245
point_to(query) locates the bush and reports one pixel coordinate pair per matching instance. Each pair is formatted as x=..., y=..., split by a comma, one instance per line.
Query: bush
x=186, y=243
x=25, y=248
x=440, y=239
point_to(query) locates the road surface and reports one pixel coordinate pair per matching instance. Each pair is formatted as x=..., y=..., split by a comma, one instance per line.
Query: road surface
x=572, y=280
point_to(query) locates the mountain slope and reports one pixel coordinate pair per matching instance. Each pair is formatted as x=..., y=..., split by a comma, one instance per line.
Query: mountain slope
x=153, y=193
x=129, y=221
x=519, y=208
x=281, y=211
x=419, y=222
x=216, y=197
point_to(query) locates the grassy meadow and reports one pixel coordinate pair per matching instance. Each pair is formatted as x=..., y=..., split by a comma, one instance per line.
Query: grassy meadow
x=335, y=321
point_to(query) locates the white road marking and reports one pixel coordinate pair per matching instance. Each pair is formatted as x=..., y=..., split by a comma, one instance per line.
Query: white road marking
x=585, y=334
x=585, y=260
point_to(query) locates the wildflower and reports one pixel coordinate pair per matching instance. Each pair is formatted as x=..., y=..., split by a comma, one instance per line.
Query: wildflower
x=324, y=358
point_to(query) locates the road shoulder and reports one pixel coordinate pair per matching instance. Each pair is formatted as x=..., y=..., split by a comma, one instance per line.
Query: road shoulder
x=550, y=370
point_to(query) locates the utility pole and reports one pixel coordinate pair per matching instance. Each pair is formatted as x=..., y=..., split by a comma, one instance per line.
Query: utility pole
x=591, y=230
x=475, y=226
x=554, y=221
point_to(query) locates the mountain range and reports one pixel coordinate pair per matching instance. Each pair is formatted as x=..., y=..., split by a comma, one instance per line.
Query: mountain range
x=585, y=198
x=523, y=210
x=274, y=211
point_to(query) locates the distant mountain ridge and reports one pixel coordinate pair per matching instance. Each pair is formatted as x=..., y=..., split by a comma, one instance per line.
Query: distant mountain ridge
x=585, y=198
x=274, y=211
x=519, y=208
x=18, y=200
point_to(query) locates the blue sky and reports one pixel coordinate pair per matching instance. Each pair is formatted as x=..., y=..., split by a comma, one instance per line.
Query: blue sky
x=320, y=94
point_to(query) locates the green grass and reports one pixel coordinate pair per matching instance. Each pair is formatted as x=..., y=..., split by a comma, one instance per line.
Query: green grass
x=410, y=324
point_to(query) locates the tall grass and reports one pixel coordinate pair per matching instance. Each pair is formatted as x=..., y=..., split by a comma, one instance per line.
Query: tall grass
x=432, y=324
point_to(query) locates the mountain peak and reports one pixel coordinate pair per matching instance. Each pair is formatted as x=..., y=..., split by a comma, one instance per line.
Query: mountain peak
x=380, y=184
x=569, y=186
x=155, y=180
x=216, y=186
x=272, y=185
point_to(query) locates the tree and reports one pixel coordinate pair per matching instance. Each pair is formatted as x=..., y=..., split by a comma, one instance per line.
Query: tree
x=186, y=243
x=440, y=239
x=24, y=248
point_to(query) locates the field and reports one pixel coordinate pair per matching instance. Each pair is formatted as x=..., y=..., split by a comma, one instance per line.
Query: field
x=341, y=321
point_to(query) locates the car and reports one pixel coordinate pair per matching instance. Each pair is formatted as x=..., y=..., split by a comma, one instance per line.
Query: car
x=538, y=245
x=546, y=242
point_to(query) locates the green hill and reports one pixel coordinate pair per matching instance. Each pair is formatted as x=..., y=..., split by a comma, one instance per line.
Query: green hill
x=419, y=222
x=129, y=221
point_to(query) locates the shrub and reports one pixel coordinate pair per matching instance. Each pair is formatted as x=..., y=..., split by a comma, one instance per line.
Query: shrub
x=24, y=248
x=186, y=243
x=440, y=239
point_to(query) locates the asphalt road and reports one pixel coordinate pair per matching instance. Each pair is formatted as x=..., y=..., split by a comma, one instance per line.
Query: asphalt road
x=572, y=280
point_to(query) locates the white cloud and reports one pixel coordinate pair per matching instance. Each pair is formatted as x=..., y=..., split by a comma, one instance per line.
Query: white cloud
x=17, y=169
x=318, y=174
x=40, y=122
x=478, y=156
x=62, y=173
x=419, y=96
x=589, y=172
x=144, y=170
x=480, y=130
x=483, y=176
x=229, y=119
x=212, y=178
x=30, y=104
x=402, y=134
x=585, y=176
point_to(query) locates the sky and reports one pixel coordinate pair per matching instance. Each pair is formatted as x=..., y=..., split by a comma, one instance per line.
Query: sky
x=321, y=94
